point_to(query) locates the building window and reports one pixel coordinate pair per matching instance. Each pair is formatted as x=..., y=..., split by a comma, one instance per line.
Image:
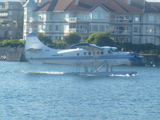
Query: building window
x=150, y=40
x=95, y=28
x=102, y=28
x=1, y=32
x=135, y=29
x=60, y=27
x=10, y=18
x=56, y=27
x=39, y=27
x=50, y=16
x=136, y=41
x=151, y=18
x=139, y=29
x=102, y=16
x=66, y=15
x=147, y=30
x=56, y=16
x=10, y=6
x=10, y=32
x=10, y=12
x=1, y=6
x=136, y=19
x=60, y=16
x=95, y=15
x=50, y=27
x=56, y=37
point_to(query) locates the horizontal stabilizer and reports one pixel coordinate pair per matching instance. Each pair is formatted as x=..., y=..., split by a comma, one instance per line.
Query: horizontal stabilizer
x=33, y=49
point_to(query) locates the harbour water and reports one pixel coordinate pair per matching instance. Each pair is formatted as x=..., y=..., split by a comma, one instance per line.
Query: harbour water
x=32, y=92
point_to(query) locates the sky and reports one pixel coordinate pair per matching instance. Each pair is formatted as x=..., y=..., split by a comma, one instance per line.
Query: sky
x=18, y=0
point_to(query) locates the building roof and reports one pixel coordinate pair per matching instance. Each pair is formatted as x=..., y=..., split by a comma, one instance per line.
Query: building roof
x=30, y=3
x=136, y=6
x=152, y=7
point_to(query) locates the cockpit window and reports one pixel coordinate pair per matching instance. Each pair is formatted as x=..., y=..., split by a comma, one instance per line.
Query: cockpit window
x=113, y=50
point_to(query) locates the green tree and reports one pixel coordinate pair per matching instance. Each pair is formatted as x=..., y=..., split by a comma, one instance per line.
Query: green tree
x=100, y=39
x=19, y=32
x=58, y=45
x=12, y=43
x=72, y=38
x=44, y=39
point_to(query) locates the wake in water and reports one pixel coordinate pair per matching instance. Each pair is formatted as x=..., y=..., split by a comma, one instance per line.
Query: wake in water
x=65, y=73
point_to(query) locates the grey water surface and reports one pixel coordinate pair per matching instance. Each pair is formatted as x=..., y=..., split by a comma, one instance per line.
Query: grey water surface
x=42, y=92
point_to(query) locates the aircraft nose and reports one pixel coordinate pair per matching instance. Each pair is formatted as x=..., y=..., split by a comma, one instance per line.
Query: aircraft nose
x=135, y=56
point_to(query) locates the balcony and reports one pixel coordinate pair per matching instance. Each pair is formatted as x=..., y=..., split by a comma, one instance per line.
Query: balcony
x=121, y=32
x=2, y=20
x=3, y=14
x=75, y=20
x=3, y=9
x=121, y=21
x=81, y=31
x=31, y=20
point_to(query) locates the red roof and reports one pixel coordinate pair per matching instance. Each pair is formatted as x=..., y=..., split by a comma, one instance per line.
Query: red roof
x=152, y=7
x=137, y=6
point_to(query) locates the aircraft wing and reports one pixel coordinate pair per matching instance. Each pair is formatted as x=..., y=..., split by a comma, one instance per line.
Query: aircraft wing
x=87, y=46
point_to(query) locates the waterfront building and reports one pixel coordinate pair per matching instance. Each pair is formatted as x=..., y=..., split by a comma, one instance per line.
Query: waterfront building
x=10, y=15
x=135, y=21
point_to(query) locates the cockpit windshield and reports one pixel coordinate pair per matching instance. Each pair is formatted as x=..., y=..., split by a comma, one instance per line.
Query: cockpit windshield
x=113, y=50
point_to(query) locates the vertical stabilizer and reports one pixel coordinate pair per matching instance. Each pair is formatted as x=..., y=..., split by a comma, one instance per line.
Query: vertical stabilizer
x=34, y=48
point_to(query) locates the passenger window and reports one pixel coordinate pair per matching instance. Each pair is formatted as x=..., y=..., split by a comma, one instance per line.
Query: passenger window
x=97, y=53
x=77, y=54
x=85, y=53
x=101, y=53
x=89, y=53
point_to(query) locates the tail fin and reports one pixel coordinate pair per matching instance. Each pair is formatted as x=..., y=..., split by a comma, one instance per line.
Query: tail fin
x=33, y=43
x=34, y=47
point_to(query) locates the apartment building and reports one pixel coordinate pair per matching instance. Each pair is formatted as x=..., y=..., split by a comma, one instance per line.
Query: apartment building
x=10, y=15
x=135, y=21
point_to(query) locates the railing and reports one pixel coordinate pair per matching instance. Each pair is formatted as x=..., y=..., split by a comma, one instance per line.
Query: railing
x=1, y=20
x=121, y=32
x=32, y=30
x=35, y=20
x=79, y=30
x=3, y=14
x=114, y=20
x=75, y=19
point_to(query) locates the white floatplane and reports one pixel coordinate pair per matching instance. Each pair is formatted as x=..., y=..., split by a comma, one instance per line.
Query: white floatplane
x=84, y=54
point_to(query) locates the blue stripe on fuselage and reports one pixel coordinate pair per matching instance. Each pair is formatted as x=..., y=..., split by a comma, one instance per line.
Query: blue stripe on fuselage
x=129, y=56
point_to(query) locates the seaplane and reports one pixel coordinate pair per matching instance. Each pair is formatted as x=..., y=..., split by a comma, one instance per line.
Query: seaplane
x=92, y=57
